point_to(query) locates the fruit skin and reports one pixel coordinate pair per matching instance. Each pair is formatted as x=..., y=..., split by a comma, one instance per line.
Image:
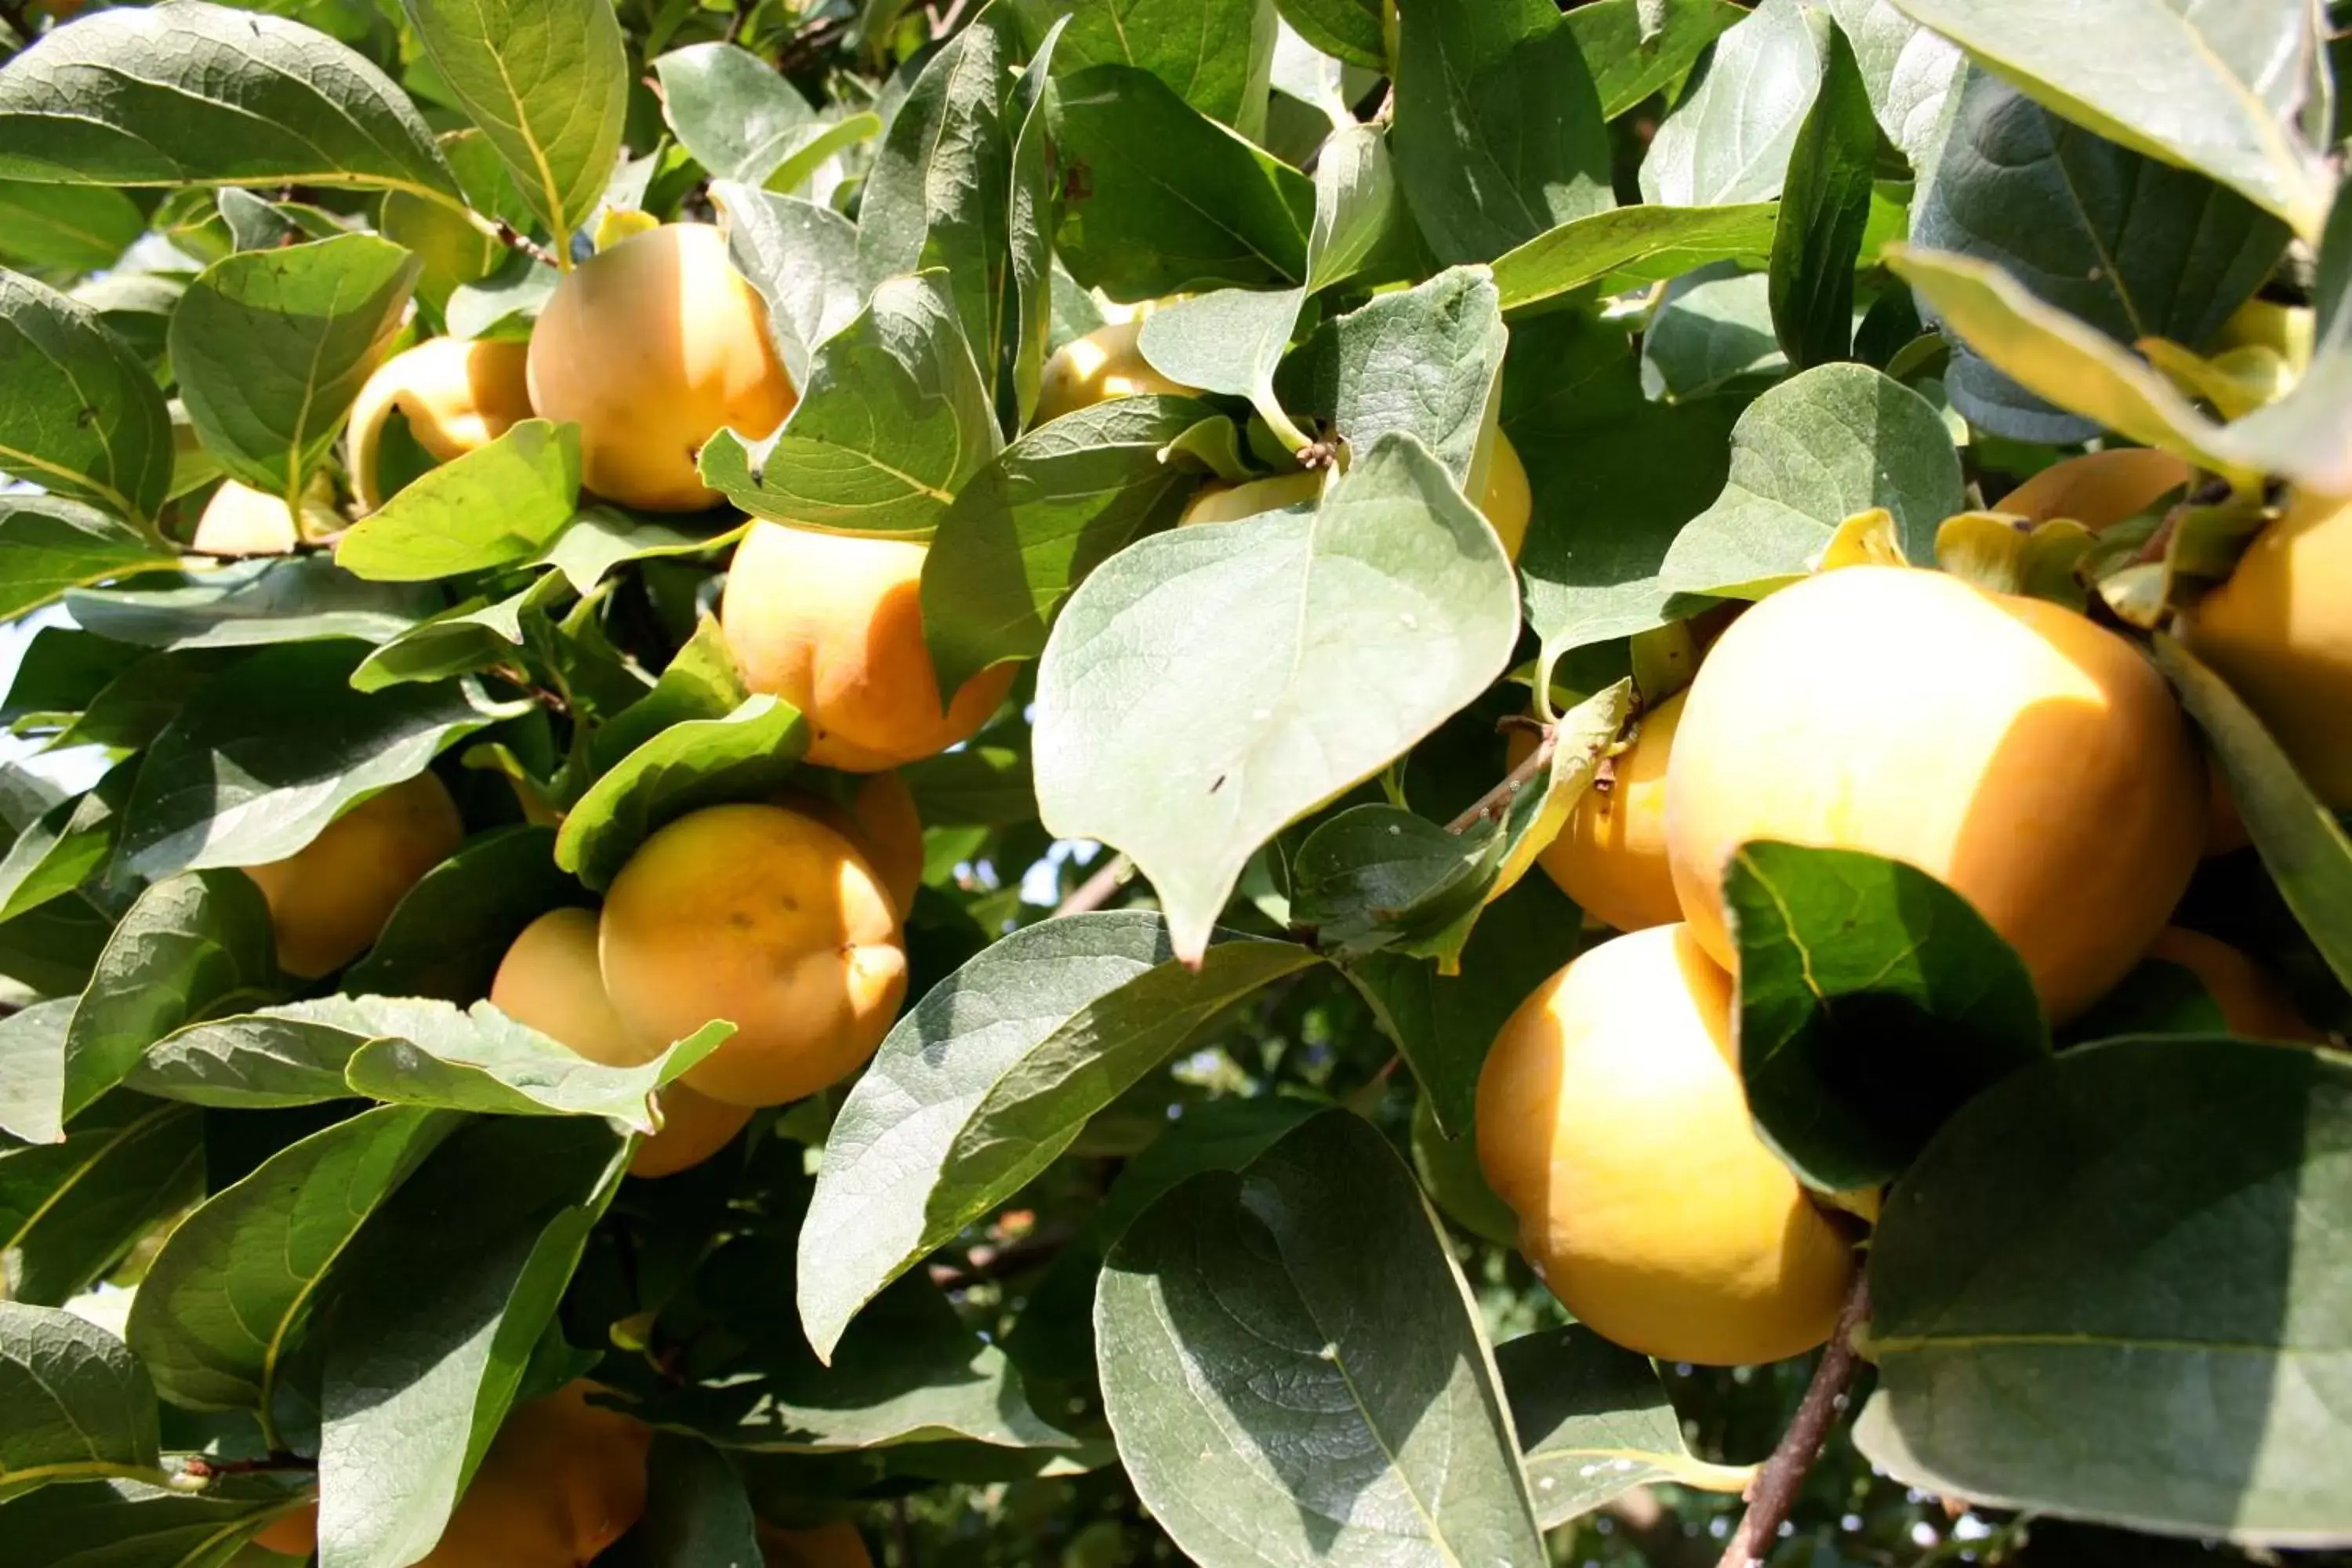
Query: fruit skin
x=551, y=979
x=880, y=820
x=1610, y=858
x=1506, y=501
x=1104, y=363
x=458, y=395
x=563, y=1479
x=770, y=918
x=1611, y=1121
x=2278, y=631
x=241, y=520
x=653, y=347
x=329, y=899
x=833, y=1545
x=2252, y=1002
x=833, y=625
x=294, y=1534
x=2030, y=760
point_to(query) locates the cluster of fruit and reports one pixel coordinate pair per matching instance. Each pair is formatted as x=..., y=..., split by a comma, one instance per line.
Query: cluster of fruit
x=2028, y=757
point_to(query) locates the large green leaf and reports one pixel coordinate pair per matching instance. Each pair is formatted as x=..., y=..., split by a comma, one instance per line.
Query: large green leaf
x=224, y=1304
x=80, y=414
x=1285, y=626
x=1626, y=247
x=1636, y=47
x=416, y=1382
x=1026, y=530
x=1806, y=456
x=894, y=418
x=731, y=109
x=802, y=257
x=429, y=1053
x=1822, y=212
x=2084, y=1253
x=2227, y=90
x=1228, y=341
x=250, y=603
x=48, y=544
x=1158, y=198
x=491, y=506
x=69, y=228
x=447, y=933
x=271, y=346
x=548, y=82
x=80, y=1405
x=70, y=1210
x=1350, y=30
x=696, y=1510
x=1295, y=1372
x=203, y=94
x=1216, y=54
x=1874, y=1002
x=67, y=847
x=696, y=762
x=1910, y=72
x=1498, y=131
x=1729, y=136
x=990, y=1076
x=136, y=1524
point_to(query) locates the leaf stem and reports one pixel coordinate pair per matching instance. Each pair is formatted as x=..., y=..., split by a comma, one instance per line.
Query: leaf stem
x=203, y=1468
x=513, y=238
x=1096, y=890
x=1496, y=800
x=1775, y=1490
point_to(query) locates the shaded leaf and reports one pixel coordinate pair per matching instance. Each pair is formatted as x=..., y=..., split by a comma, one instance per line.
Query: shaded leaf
x=1630, y=60
x=80, y=1405
x=1216, y=54
x=49, y=544
x=447, y=933
x=1823, y=210
x=696, y=762
x=70, y=1210
x=1626, y=247
x=250, y=603
x=80, y=414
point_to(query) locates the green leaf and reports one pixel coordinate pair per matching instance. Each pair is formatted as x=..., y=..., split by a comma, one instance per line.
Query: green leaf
x=1595, y=1421
x=451, y=251
x=225, y=1303
x=210, y=95
x=190, y=943
x=731, y=110
x=461, y=640
x=1626, y=247
x=1363, y=228
x=1159, y=199
x=1629, y=61
x=601, y=538
x=251, y=603
x=1228, y=341
x=1824, y=209
x=447, y=933
x=1874, y=1003
x=416, y=1382
x=1423, y=360
x=80, y=414
x=258, y=764
x=270, y=347
x=1806, y=456
x=1294, y=1370
x=131, y=1525
x=1448, y=1171
x=496, y=505
x=1216, y=55
x=1375, y=877
x=428, y=1053
x=990, y=1076
x=294, y=1054
x=1498, y=132
x=2077, y=1257
x=1032, y=188
x=974, y=785
x=1910, y=72
x=802, y=257
x=893, y=419
x=695, y=763
x=2222, y=89
x=1614, y=475
x=65, y=229
x=1728, y=137
x=48, y=544
x=2133, y=247
x=1407, y=593
x=1443, y=1026
x=67, y=847
x=80, y=1405
x=1026, y=529
x=2301, y=844
x=32, y=1071
x=70, y=1210
x=548, y=82
x=1348, y=31
x=697, y=1515
x=49, y=950
x=1713, y=332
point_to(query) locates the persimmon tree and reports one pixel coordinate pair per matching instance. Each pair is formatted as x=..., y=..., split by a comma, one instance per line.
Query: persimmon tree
x=1402, y=782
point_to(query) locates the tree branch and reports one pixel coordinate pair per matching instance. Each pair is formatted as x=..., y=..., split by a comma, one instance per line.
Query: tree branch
x=1497, y=801
x=203, y=1469
x=1096, y=890
x=1774, y=1491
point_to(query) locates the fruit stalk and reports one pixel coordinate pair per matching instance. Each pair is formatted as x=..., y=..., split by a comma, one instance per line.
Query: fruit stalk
x=1775, y=1490
x=1497, y=801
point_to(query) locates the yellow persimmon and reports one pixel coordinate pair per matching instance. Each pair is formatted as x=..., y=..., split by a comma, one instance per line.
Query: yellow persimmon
x=241, y=520
x=1611, y=1121
x=456, y=394
x=294, y=1534
x=880, y=817
x=2031, y=759
x=833, y=1545
x=653, y=347
x=329, y=899
x=2280, y=632
x=833, y=625
x=563, y=1481
x=1610, y=858
x=1505, y=498
x=2252, y=1001
x=1106, y=363
x=770, y=920
x=551, y=980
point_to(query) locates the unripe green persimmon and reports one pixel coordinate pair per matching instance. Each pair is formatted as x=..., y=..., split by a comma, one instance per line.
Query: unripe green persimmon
x=1611, y=1121
x=2031, y=759
x=653, y=346
x=329, y=899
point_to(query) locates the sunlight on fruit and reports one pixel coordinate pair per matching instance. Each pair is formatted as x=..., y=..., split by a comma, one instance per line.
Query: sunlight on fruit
x=456, y=394
x=652, y=348
x=329, y=899
x=1612, y=1122
x=2032, y=761
x=761, y=916
x=880, y=820
x=1610, y=858
x=1104, y=363
x=833, y=625
x=241, y=520
x=1506, y=501
x=563, y=1481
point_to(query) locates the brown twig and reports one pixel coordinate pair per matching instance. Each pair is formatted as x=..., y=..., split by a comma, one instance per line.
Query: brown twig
x=1496, y=800
x=1096, y=890
x=514, y=238
x=986, y=1263
x=810, y=40
x=1774, y=1491
x=205, y=1469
